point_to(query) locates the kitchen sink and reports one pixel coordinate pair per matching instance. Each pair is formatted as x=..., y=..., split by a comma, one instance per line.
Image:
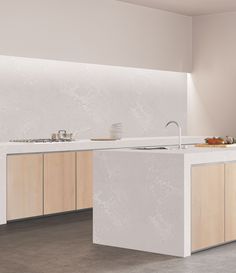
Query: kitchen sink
x=174, y=147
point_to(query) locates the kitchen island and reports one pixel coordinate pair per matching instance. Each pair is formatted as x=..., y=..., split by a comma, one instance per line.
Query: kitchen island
x=26, y=169
x=171, y=202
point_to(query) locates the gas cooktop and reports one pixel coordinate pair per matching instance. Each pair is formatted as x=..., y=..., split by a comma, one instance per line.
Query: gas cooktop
x=40, y=140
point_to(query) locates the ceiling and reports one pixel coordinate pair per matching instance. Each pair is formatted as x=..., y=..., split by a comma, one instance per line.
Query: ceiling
x=189, y=7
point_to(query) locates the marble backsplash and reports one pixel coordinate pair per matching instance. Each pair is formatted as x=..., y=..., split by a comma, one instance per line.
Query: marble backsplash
x=38, y=97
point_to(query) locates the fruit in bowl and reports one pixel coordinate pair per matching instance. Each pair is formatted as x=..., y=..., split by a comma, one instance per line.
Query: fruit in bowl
x=214, y=140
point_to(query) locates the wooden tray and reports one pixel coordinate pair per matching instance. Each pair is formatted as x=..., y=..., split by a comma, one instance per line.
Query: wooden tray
x=205, y=145
x=103, y=139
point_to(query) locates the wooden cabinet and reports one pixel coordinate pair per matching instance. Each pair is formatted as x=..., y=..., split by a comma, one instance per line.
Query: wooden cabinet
x=48, y=183
x=84, y=179
x=59, y=182
x=24, y=186
x=207, y=206
x=230, y=201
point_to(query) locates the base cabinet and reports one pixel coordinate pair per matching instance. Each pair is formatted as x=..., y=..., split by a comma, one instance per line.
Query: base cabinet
x=213, y=205
x=84, y=164
x=59, y=182
x=207, y=206
x=40, y=184
x=24, y=186
x=230, y=202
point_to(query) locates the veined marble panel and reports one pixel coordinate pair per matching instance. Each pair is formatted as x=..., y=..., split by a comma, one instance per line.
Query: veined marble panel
x=139, y=201
x=38, y=97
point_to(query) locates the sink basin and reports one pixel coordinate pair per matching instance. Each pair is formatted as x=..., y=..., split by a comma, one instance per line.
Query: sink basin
x=161, y=148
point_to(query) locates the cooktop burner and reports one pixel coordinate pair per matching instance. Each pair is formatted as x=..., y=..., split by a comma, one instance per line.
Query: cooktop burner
x=40, y=140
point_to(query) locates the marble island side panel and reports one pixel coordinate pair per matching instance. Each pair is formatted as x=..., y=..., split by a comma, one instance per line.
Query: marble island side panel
x=139, y=201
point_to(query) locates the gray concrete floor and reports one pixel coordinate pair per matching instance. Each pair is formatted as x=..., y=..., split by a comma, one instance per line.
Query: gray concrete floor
x=63, y=244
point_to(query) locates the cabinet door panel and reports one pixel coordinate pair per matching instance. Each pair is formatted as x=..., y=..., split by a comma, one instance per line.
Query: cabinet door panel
x=59, y=182
x=207, y=206
x=24, y=186
x=84, y=180
x=230, y=202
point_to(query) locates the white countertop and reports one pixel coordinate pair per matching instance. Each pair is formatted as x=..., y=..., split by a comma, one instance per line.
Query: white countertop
x=86, y=144
x=7, y=148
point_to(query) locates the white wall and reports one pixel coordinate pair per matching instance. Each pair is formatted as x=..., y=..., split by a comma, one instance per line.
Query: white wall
x=38, y=97
x=212, y=92
x=96, y=31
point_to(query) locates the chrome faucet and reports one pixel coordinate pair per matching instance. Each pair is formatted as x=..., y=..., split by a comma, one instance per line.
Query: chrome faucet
x=180, y=134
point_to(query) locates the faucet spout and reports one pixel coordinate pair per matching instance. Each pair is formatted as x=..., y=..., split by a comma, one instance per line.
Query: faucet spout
x=180, y=131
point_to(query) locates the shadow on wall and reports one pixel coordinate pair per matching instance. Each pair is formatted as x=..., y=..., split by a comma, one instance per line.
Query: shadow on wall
x=212, y=93
x=199, y=120
x=210, y=111
x=38, y=97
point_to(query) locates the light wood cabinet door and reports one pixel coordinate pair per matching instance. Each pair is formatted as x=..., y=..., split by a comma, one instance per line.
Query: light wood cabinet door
x=230, y=202
x=24, y=186
x=84, y=179
x=207, y=206
x=59, y=182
